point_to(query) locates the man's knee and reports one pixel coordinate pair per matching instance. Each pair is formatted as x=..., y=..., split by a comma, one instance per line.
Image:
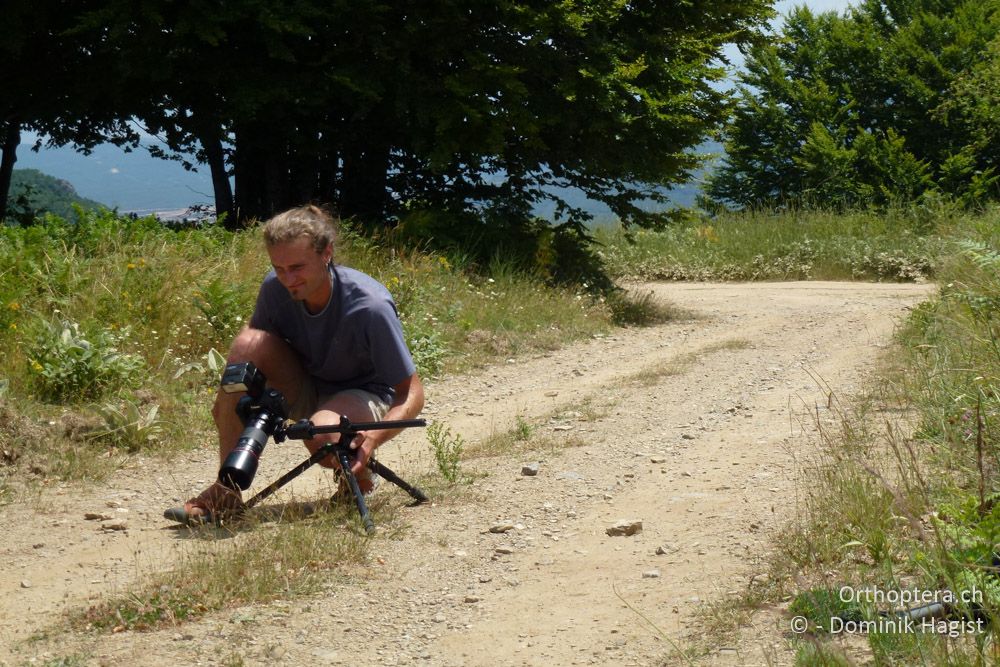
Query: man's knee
x=250, y=343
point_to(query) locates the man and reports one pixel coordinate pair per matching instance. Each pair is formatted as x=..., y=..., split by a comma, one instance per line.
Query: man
x=329, y=339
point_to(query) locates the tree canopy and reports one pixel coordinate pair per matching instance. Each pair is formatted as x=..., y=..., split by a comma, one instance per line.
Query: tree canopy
x=883, y=104
x=471, y=109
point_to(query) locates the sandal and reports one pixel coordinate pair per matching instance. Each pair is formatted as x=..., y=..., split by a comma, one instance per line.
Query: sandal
x=216, y=503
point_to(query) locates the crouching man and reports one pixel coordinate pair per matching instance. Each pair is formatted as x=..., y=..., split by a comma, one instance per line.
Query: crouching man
x=329, y=339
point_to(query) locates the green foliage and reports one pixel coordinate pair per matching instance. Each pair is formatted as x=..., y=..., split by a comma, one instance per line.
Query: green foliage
x=791, y=246
x=128, y=426
x=427, y=350
x=819, y=605
x=224, y=307
x=447, y=449
x=601, y=96
x=876, y=107
x=67, y=364
x=34, y=194
x=145, y=296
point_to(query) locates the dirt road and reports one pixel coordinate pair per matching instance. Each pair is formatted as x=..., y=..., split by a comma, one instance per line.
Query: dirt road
x=691, y=428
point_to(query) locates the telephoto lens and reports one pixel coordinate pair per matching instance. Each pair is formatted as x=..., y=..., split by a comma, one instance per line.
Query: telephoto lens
x=241, y=464
x=262, y=420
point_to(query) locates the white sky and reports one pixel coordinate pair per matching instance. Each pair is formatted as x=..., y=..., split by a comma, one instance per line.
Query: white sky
x=783, y=7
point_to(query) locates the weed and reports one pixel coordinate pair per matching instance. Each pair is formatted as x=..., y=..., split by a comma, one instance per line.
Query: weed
x=642, y=310
x=815, y=653
x=652, y=375
x=427, y=351
x=523, y=429
x=128, y=426
x=447, y=449
x=224, y=307
x=792, y=246
x=67, y=364
x=289, y=558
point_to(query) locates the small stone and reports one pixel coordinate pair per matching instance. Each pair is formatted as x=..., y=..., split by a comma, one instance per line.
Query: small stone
x=25, y=583
x=471, y=599
x=551, y=394
x=651, y=574
x=97, y=516
x=665, y=549
x=529, y=469
x=439, y=618
x=563, y=427
x=275, y=652
x=625, y=527
x=504, y=551
x=658, y=459
x=39, y=545
x=687, y=436
x=112, y=526
x=502, y=527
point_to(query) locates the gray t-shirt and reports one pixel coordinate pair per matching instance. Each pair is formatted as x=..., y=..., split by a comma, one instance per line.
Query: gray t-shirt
x=356, y=342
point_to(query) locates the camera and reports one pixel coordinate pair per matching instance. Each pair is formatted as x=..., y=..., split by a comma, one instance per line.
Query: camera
x=261, y=410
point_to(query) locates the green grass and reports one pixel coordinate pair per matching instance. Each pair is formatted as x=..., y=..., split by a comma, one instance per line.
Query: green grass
x=148, y=309
x=903, y=492
x=296, y=556
x=788, y=246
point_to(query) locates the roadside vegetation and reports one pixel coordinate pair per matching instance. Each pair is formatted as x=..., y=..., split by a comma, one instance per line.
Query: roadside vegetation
x=901, y=498
x=901, y=245
x=112, y=330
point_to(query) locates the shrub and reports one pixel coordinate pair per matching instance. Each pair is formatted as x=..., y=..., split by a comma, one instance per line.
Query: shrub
x=65, y=364
x=448, y=450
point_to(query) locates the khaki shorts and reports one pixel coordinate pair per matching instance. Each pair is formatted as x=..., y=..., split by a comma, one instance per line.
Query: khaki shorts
x=308, y=400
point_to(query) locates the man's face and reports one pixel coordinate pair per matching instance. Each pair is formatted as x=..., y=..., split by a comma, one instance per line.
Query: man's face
x=302, y=270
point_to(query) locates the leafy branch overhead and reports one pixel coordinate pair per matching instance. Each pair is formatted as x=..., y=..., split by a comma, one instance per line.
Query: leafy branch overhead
x=386, y=108
x=887, y=104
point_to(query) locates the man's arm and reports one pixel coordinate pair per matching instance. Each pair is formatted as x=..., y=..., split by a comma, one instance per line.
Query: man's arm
x=407, y=403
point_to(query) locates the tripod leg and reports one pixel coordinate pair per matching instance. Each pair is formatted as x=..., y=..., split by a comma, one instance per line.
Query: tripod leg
x=288, y=476
x=389, y=475
x=359, y=498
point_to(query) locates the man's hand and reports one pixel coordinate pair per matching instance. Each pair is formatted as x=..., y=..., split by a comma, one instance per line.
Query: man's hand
x=364, y=445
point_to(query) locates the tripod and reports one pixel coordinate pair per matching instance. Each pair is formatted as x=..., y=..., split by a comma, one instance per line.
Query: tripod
x=305, y=430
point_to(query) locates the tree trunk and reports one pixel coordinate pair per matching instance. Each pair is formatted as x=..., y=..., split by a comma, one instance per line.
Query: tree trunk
x=220, y=180
x=363, y=194
x=11, y=140
x=249, y=172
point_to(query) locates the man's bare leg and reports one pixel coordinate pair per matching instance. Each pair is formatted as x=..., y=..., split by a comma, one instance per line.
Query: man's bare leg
x=284, y=372
x=328, y=413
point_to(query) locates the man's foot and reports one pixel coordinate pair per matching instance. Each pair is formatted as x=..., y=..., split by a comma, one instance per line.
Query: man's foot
x=214, y=503
x=367, y=481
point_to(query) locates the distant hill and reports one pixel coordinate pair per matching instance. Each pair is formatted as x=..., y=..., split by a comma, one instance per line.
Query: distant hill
x=46, y=194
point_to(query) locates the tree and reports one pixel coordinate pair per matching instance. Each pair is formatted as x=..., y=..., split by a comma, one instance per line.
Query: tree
x=381, y=107
x=53, y=83
x=840, y=110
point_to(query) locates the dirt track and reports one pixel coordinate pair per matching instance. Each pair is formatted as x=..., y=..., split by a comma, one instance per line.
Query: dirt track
x=704, y=457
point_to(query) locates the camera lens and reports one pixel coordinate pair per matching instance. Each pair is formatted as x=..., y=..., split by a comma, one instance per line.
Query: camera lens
x=241, y=463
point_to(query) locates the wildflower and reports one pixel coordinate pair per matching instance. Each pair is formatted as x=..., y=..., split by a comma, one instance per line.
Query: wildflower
x=13, y=326
x=37, y=367
x=14, y=305
x=443, y=261
x=130, y=266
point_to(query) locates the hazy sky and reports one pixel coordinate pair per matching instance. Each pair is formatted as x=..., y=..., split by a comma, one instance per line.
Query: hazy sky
x=785, y=6
x=816, y=5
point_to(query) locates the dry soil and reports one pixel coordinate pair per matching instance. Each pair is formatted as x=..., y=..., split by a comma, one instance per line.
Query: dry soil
x=694, y=428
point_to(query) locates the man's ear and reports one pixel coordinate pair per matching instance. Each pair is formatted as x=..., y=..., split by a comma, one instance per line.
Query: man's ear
x=327, y=253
